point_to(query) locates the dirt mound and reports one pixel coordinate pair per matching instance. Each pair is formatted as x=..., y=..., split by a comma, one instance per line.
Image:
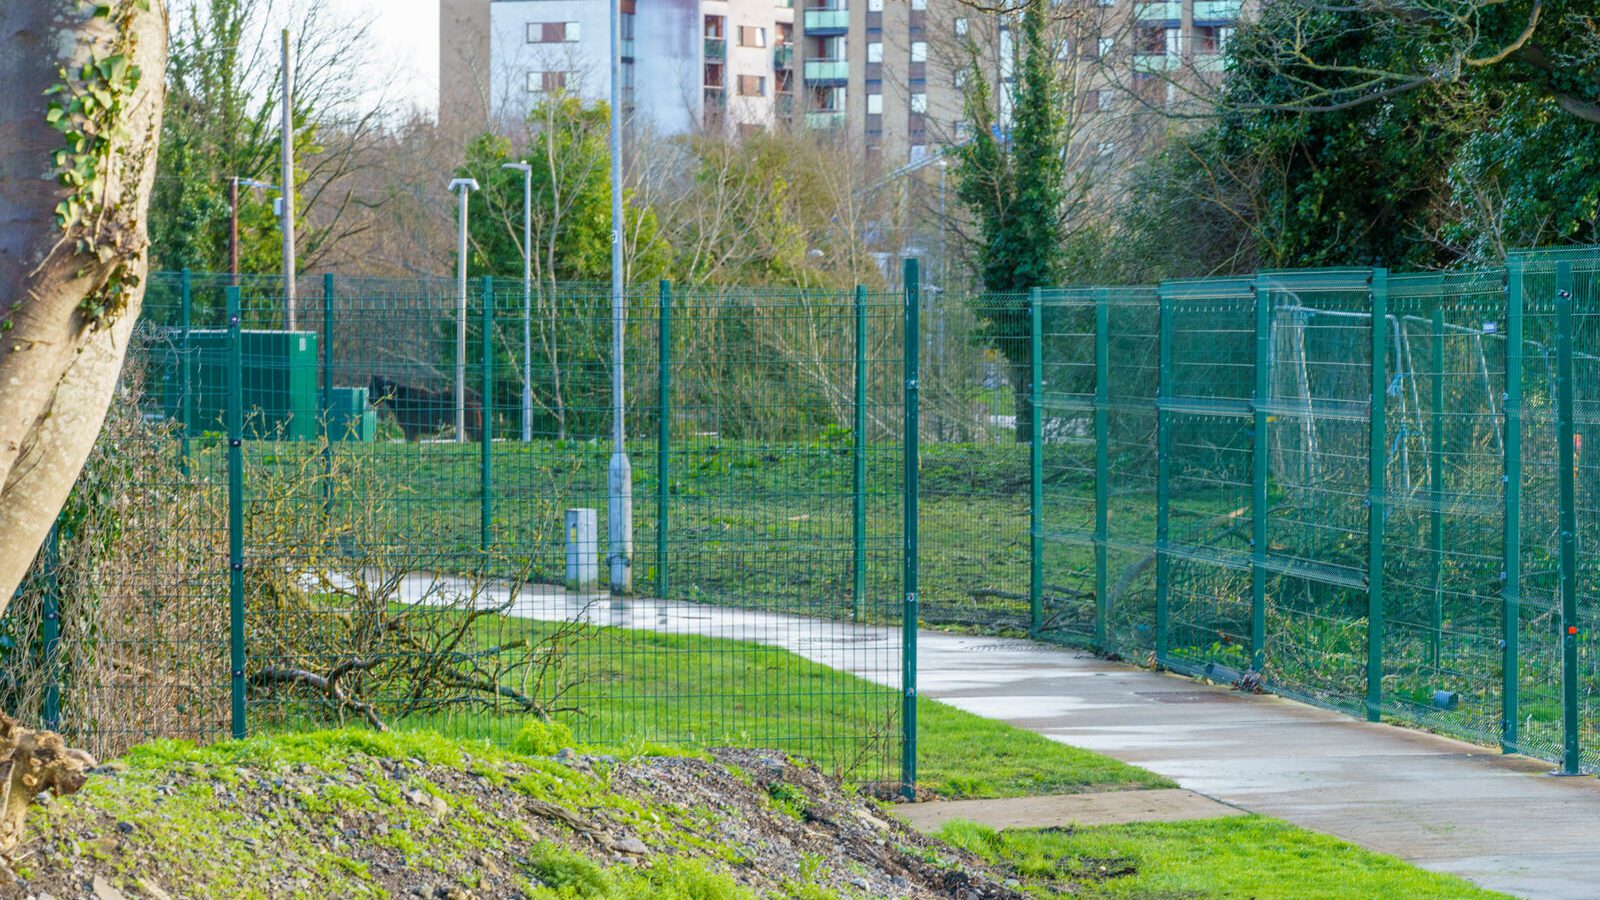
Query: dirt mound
x=352, y=814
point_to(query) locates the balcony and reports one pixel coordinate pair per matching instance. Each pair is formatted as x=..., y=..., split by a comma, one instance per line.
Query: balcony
x=783, y=57
x=825, y=119
x=824, y=21
x=716, y=48
x=783, y=104
x=716, y=98
x=1159, y=11
x=827, y=70
x=1216, y=11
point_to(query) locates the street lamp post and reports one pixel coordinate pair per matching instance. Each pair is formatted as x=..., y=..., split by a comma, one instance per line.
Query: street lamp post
x=527, y=296
x=619, y=522
x=462, y=188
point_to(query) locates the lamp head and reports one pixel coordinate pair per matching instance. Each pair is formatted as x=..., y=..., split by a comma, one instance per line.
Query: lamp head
x=463, y=184
x=517, y=166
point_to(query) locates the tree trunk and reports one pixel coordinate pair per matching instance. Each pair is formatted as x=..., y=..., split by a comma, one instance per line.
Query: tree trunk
x=1022, y=393
x=72, y=247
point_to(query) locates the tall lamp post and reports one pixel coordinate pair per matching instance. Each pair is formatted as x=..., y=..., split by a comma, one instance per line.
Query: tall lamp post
x=233, y=221
x=527, y=296
x=462, y=187
x=619, y=522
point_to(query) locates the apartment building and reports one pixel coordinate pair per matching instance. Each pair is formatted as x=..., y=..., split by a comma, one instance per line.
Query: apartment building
x=687, y=65
x=891, y=73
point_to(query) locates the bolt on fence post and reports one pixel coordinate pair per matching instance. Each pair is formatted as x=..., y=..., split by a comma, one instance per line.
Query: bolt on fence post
x=909, y=617
x=235, y=425
x=51, y=637
x=1260, y=469
x=1571, y=760
x=1036, y=461
x=858, y=493
x=486, y=423
x=1436, y=488
x=1377, y=445
x=663, y=434
x=1511, y=547
x=327, y=391
x=185, y=370
x=1102, y=466
x=1163, y=470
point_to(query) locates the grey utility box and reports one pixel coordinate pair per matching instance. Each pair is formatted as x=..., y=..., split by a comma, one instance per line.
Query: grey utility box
x=583, y=550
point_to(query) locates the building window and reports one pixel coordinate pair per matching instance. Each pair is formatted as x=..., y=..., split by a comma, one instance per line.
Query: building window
x=714, y=27
x=1106, y=148
x=874, y=5
x=552, y=32
x=874, y=104
x=919, y=51
x=752, y=86
x=1105, y=46
x=875, y=51
x=961, y=26
x=919, y=4
x=1064, y=51
x=1150, y=39
x=752, y=36
x=919, y=104
x=546, y=82
x=959, y=77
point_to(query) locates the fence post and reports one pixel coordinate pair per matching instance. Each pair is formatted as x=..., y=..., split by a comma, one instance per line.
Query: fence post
x=1260, y=467
x=51, y=637
x=1377, y=446
x=1511, y=547
x=235, y=425
x=486, y=423
x=1036, y=461
x=1163, y=470
x=185, y=370
x=663, y=435
x=1566, y=481
x=1102, y=466
x=909, y=617
x=1436, y=488
x=327, y=390
x=858, y=507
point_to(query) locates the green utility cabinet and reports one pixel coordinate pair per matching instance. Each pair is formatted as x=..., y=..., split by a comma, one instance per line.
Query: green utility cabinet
x=351, y=417
x=279, y=380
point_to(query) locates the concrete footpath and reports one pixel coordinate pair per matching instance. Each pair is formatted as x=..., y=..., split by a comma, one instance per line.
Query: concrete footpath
x=1500, y=821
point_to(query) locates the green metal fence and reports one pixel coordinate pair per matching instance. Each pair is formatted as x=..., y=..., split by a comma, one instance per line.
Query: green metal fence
x=1370, y=488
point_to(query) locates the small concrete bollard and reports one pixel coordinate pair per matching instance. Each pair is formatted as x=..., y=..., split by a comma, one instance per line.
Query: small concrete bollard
x=583, y=550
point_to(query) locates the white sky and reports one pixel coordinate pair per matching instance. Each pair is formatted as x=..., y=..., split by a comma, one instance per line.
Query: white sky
x=406, y=52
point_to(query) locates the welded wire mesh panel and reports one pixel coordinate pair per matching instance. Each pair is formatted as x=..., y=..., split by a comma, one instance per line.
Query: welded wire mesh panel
x=975, y=482
x=1208, y=440
x=1443, y=536
x=1133, y=375
x=1069, y=384
x=1319, y=338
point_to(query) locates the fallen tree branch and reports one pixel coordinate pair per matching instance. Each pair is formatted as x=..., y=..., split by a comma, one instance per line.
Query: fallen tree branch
x=328, y=685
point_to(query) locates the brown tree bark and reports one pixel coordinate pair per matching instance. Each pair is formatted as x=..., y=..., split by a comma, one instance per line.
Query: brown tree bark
x=80, y=117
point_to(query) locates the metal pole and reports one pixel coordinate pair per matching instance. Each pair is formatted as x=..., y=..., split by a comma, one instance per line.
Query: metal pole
x=1036, y=462
x=51, y=637
x=327, y=390
x=1566, y=479
x=527, y=305
x=1436, y=488
x=1102, y=466
x=619, y=522
x=185, y=370
x=235, y=425
x=1260, y=469
x=287, y=140
x=233, y=230
x=858, y=506
x=1511, y=625
x=909, y=615
x=1377, y=444
x=663, y=435
x=463, y=188
x=1163, y=472
x=486, y=428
